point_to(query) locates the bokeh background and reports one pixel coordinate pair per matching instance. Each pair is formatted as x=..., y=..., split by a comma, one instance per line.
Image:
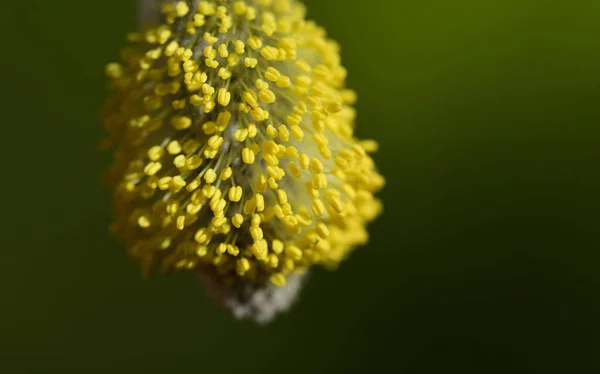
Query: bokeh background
x=486, y=260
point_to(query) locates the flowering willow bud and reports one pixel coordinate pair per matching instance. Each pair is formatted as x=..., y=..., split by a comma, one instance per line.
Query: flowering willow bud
x=235, y=153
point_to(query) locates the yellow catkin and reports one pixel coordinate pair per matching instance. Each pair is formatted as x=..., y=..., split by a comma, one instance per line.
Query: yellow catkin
x=234, y=134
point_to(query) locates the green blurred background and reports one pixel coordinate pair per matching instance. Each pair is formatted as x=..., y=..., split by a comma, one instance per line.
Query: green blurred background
x=484, y=262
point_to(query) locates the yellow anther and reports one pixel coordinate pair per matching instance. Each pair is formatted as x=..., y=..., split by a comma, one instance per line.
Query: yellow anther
x=250, y=62
x=334, y=107
x=249, y=206
x=287, y=44
x=180, y=223
x=284, y=133
x=266, y=96
x=240, y=134
x=208, y=107
x=216, y=196
x=259, y=249
x=208, y=191
x=193, y=185
x=143, y=222
x=304, y=161
x=206, y=8
x=303, y=220
x=152, y=168
x=269, y=53
x=232, y=250
x=114, y=70
x=270, y=159
x=223, y=120
x=239, y=7
x=272, y=74
x=226, y=173
x=292, y=152
x=179, y=161
x=225, y=74
x=261, y=184
x=233, y=59
x=294, y=170
x=325, y=152
x=272, y=183
x=177, y=183
x=210, y=176
x=297, y=133
x=193, y=208
x=223, y=52
x=319, y=181
x=235, y=193
x=201, y=236
x=273, y=260
x=313, y=101
x=316, y=165
x=259, y=114
x=318, y=125
x=218, y=221
x=221, y=11
x=283, y=82
x=221, y=248
x=256, y=233
x=252, y=131
x=369, y=145
x=322, y=230
x=209, y=128
x=254, y=42
x=250, y=13
x=270, y=147
x=178, y=104
x=242, y=266
x=282, y=196
x=199, y=20
x=215, y=141
x=211, y=63
x=276, y=172
x=282, y=151
x=190, y=66
x=271, y=131
x=237, y=220
x=181, y=122
x=294, y=252
x=336, y=204
x=224, y=97
x=360, y=152
x=248, y=156
x=239, y=47
x=164, y=183
x=255, y=220
x=260, y=202
x=181, y=8
x=304, y=66
x=250, y=98
x=318, y=208
x=320, y=139
x=210, y=52
x=278, y=279
x=155, y=153
x=278, y=211
x=210, y=38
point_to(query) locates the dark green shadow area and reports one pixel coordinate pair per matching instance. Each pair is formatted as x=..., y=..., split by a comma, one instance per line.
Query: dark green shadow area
x=485, y=261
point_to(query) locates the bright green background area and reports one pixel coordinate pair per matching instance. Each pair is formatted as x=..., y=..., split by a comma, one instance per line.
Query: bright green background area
x=484, y=262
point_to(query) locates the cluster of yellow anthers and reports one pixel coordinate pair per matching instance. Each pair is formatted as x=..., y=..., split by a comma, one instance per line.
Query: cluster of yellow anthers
x=235, y=152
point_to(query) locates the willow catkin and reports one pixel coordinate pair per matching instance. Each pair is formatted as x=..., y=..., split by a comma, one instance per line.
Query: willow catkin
x=235, y=154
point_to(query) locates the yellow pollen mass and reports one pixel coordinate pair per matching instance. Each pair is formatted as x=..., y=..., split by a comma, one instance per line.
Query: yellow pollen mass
x=233, y=131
